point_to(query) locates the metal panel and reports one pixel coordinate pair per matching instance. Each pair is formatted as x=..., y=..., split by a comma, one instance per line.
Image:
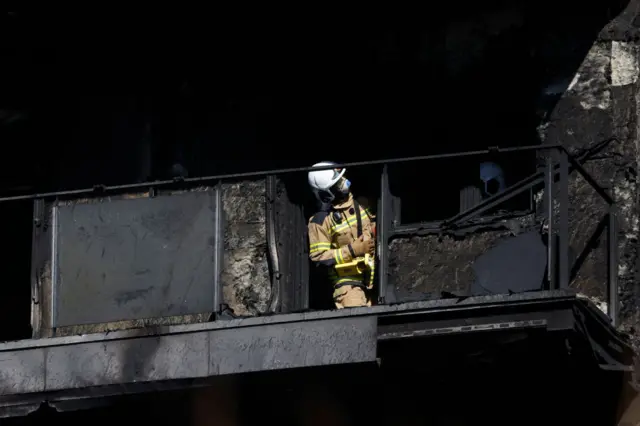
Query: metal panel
x=514, y=265
x=127, y=361
x=22, y=372
x=124, y=358
x=128, y=259
x=291, y=345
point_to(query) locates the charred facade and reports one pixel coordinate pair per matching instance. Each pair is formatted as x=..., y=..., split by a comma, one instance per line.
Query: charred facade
x=484, y=80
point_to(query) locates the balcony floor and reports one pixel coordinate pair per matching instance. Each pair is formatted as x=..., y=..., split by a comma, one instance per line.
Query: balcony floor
x=98, y=365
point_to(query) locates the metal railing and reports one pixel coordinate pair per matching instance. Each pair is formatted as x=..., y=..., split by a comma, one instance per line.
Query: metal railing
x=559, y=164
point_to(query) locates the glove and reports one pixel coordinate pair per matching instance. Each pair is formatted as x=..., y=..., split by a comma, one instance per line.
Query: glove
x=361, y=246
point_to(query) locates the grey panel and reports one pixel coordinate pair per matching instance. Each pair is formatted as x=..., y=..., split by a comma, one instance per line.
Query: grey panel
x=281, y=346
x=136, y=258
x=73, y=363
x=21, y=372
x=127, y=361
x=514, y=265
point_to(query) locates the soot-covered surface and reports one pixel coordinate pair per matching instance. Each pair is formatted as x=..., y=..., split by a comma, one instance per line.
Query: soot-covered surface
x=407, y=87
x=425, y=266
x=127, y=259
x=498, y=378
x=245, y=277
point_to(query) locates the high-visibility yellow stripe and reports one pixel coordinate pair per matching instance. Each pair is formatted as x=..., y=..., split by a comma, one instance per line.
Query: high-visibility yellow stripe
x=318, y=247
x=372, y=275
x=351, y=220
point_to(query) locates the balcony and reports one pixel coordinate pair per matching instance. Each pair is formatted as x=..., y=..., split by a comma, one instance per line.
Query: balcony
x=136, y=287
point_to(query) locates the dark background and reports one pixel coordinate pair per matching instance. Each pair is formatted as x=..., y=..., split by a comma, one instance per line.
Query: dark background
x=108, y=98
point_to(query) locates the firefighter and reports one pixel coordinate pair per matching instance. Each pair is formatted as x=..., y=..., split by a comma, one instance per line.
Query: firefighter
x=342, y=232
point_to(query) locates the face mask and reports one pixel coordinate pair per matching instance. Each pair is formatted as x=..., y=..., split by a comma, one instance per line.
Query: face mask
x=341, y=190
x=344, y=186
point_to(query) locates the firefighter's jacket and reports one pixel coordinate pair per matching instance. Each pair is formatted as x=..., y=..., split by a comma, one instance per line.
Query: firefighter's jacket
x=331, y=232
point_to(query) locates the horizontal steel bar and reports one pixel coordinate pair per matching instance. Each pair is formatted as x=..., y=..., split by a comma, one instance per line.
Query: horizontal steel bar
x=424, y=228
x=528, y=183
x=265, y=173
x=495, y=200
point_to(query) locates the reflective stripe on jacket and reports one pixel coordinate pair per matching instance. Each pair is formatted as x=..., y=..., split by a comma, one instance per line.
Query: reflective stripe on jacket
x=331, y=232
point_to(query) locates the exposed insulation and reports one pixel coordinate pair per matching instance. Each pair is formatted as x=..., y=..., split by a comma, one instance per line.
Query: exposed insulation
x=245, y=274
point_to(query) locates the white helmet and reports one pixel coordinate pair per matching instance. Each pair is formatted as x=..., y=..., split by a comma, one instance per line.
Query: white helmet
x=324, y=182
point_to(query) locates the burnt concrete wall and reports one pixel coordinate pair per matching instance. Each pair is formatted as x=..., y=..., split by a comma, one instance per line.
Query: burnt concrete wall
x=602, y=101
x=596, y=100
x=426, y=266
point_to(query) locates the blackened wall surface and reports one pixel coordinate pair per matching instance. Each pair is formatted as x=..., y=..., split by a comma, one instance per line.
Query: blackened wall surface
x=601, y=101
x=585, y=89
x=292, y=243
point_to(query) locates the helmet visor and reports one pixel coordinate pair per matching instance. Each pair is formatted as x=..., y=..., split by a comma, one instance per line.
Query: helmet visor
x=338, y=190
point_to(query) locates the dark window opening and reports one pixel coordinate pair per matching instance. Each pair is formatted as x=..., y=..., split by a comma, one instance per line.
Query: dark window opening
x=432, y=191
x=15, y=302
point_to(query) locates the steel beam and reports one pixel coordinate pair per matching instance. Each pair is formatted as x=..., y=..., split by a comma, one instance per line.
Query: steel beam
x=205, y=180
